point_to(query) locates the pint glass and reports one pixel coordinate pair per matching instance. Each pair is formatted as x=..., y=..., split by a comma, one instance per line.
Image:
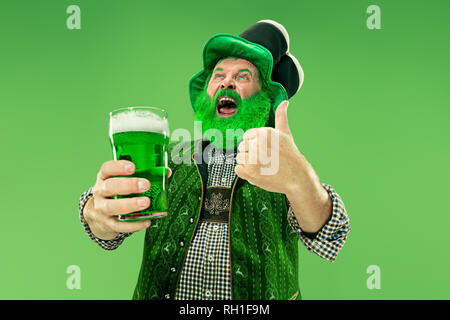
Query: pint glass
x=141, y=135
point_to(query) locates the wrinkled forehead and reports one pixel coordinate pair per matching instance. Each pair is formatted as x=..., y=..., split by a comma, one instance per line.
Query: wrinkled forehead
x=234, y=64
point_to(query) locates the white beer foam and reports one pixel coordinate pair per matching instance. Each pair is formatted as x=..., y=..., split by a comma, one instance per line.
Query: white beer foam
x=138, y=120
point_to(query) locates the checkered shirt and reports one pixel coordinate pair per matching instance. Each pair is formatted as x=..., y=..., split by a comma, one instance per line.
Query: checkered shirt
x=206, y=272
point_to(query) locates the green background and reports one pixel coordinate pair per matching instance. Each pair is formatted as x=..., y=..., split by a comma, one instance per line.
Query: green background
x=372, y=117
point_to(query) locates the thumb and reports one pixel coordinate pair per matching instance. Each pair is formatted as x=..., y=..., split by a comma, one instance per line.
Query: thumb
x=281, y=121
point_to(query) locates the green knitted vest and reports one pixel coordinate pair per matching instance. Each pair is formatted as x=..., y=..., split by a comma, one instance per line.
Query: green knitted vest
x=263, y=247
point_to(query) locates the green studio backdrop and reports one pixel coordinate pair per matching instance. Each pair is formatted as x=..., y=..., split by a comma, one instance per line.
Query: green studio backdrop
x=372, y=117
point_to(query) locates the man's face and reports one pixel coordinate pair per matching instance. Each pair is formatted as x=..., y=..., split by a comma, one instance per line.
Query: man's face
x=232, y=102
x=238, y=75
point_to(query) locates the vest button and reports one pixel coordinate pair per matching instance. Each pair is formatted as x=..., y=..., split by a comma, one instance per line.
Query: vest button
x=173, y=269
x=191, y=220
x=181, y=244
x=167, y=296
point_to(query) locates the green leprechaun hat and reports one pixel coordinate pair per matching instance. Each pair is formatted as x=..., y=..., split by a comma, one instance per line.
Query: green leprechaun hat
x=266, y=45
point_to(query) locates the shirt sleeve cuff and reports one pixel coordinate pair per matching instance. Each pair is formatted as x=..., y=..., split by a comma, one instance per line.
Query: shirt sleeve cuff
x=330, y=239
x=104, y=244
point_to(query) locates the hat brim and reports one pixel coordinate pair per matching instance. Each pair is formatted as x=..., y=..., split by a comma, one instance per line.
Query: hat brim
x=226, y=45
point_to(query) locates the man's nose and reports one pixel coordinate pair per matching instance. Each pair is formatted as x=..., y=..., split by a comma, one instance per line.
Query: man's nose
x=228, y=83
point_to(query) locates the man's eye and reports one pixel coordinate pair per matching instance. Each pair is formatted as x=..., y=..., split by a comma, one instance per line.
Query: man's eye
x=219, y=76
x=243, y=77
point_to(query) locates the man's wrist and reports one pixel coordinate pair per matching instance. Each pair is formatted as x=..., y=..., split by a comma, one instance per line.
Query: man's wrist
x=312, y=209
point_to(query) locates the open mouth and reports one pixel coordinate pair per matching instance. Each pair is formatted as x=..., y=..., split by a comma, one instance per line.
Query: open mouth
x=226, y=106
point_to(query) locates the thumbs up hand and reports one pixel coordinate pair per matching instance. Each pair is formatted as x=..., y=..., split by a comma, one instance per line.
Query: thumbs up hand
x=269, y=158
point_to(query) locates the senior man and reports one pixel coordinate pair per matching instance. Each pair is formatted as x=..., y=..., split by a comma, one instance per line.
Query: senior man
x=231, y=230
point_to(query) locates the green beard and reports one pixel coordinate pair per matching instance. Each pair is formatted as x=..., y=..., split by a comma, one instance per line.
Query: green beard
x=226, y=133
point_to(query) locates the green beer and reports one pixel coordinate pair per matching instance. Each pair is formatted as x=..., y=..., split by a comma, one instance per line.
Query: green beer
x=140, y=135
